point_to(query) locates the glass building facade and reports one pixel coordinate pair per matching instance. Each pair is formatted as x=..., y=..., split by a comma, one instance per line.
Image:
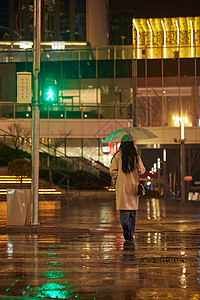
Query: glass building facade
x=107, y=83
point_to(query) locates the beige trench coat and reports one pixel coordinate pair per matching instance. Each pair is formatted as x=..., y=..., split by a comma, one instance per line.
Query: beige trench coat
x=126, y=183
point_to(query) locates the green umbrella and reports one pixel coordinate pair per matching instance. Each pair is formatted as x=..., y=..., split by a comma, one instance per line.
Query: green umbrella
x=132, y=133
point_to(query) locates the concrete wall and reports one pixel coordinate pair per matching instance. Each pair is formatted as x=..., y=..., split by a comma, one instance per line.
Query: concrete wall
x=96, y=17
x=102, y=128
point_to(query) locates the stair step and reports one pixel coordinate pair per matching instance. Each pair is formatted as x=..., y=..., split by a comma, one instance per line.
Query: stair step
x=45, y=197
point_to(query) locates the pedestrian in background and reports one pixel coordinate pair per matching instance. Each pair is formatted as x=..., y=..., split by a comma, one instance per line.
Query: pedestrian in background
x=126, y=166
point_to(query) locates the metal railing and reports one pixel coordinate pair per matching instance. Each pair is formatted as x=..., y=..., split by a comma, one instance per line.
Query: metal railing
x=9, y=55
x=63, y=163
x=15, y=110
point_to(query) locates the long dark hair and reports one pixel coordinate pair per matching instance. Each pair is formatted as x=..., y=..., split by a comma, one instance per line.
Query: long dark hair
x=129, y=156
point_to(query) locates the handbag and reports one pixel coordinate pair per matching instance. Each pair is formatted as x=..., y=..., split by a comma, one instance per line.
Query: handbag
x=141, y=190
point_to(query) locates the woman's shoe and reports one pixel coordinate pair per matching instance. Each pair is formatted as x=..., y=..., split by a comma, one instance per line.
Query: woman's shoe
x=126, y=233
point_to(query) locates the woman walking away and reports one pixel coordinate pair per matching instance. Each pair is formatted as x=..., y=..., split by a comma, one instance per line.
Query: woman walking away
x=126, y=166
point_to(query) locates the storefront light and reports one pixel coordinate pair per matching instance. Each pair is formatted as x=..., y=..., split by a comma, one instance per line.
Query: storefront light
x=177, y=121
x=164, y=155
x=58, y=46
x=158, y=163
x=182, y=130
x=25, y=45
x=106, y=149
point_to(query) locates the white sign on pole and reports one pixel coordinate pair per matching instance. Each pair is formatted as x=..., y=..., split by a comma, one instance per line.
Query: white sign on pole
x=24, y=89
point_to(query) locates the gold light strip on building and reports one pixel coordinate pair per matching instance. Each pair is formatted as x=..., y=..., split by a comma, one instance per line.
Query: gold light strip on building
x=138, y=39
x=178, y=33
x=192, y=39
x=151, y=34
x=138, y=33
x=192, y=36
x=164, y=39
x=151, y=37
x=164, y=30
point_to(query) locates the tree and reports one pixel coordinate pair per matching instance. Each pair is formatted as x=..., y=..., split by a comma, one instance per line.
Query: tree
x=57, y=142
x=20, y=168
x=19, y=134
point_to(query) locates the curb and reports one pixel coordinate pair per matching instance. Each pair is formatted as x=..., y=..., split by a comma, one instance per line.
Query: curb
x=37, y=229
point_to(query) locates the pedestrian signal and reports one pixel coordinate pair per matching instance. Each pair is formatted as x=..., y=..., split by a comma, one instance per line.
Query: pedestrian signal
x=50, y=94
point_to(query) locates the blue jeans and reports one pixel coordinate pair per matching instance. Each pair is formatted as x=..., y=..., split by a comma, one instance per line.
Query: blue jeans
x=128, y=217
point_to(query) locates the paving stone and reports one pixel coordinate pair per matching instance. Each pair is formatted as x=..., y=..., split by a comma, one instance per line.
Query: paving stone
x=78, y=252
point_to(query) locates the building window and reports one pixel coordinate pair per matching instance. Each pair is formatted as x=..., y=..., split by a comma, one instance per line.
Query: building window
x=123, y=68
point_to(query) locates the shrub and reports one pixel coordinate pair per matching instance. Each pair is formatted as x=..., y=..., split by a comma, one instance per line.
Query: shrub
x=20, y=168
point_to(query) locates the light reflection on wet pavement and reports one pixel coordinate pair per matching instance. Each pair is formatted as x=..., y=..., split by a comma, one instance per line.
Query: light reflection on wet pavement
x=91, y=259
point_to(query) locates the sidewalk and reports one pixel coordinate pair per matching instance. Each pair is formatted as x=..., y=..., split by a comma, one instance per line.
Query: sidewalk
x=79, y=252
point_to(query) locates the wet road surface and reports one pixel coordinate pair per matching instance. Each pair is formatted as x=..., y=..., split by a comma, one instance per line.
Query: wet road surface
x=90, y=259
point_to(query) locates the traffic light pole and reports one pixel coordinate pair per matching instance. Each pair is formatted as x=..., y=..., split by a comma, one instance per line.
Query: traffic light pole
x=35, y=113
x=182, y=141
x=182, y=170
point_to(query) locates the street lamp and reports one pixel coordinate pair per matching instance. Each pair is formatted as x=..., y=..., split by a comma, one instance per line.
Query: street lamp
x=158, y=166
x=182, y=156
x=182, y=141
x=164, y=170
x=155, y=169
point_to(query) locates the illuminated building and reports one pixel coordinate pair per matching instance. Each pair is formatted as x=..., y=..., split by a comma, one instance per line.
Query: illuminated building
x=166, y=37
x=152, y=83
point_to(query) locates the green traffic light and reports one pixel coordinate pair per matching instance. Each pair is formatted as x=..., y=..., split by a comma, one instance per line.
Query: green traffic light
x=50, y=94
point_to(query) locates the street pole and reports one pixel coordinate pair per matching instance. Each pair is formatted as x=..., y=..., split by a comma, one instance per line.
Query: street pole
x=158, y=167
x=35, y=113
x=164, y=171
x=182, y=170
x=182, y=141
x=159, y=181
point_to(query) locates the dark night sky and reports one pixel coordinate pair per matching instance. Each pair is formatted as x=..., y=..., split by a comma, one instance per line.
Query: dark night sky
x=155, y=8
x=148, y=8
x=4, y=5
